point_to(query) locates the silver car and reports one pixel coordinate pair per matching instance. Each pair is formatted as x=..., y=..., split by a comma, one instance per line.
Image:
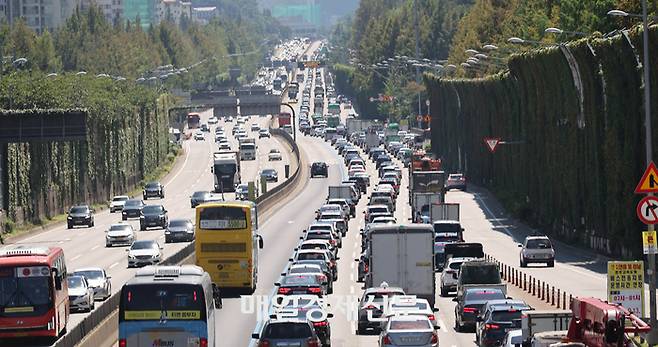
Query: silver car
x=408, y=330
x=287, y=332
x=144, y=252
x=98, y=280
x=537, y=249
x=81, y=295
x=121, y=234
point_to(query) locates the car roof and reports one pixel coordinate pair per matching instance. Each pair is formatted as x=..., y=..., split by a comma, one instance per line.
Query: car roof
x=537, y=237
x=89, y=269
x=494, y=304
x=463, y=259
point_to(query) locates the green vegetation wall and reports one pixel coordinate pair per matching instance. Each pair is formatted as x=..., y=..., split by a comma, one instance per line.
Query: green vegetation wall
x=127, y=139
x=576, y=133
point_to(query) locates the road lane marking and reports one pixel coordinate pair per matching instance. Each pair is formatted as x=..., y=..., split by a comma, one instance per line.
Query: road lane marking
x=76, y=257
x=187, y=156
x=291, y=221
x=113, y=265
x=95, y=247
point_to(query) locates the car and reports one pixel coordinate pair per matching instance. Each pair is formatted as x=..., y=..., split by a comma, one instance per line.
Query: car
x=153, y=189
x=255, y=127
x=537, y=249
x=310, y=308
x=242, y=192
x=144, y=252
x=497, y=319
x=470, y=304
x=263, y=133
x=229, y=119
x=204, y=127
x=81, y=295
x=120, y=234
x=98, y=280
x=274, y=154
x=307, y=283
x=179, y=230
x=224, y=147
x=198, y=198
x=318, y=254
x=411, y=305
x=456, y=181
x=315, y=269
x=80, y=215
x=213, y=120
x=513, y=338
x=270, y=175
x=198, y=136
x=408, y=330
x=450, y=274
x=372, y=304
x=287, y=332
x=153, y=216
x=132, y=209
x=117, y=203
x=319, y=168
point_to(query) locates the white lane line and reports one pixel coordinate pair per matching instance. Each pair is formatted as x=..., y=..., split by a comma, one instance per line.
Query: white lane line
x=76, y=257
x=95, y=247
x=113, y=265
x=291, y=221
x=60, y=242
x=442, y=325
x=187, y=156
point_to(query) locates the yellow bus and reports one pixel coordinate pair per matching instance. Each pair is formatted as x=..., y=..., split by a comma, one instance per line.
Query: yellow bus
x=227, y=244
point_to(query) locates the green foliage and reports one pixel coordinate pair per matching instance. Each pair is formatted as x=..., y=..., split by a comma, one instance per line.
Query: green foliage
x=575, y=161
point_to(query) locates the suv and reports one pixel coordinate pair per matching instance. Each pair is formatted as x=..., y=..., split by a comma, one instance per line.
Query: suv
x=319, y=169
x=80, y=215
x=456, y=181
x=287, y=332
x=310, y=308
x=450, y=274
x=154, y=189
x=470, y=303
x=153, y=216
x=499, y=316
x=537, y=249
x=372, y=306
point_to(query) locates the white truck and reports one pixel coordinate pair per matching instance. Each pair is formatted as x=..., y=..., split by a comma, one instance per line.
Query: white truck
x=341, y=192
x=422, y=204
x=535, y=322
x=226, y=171
x=444, y=211
x=402, y=255
x=372, y=141
x=248, y=149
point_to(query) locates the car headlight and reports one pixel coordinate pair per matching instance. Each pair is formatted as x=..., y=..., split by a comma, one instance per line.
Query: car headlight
x=167, y=232
x=190, y=231
x=69, y=217
x=130, y=256
x=141, y=217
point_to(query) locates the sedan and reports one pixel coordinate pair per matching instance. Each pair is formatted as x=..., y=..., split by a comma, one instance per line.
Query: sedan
x=80, y=215
x=274, y=154
x=154, y=189
x=98, y=280
x=300, y=284
x=132, y=209
x=242, y=192
x=409, y=330
x=270, y=175
x=263, y=133
x=144, y=252
x=199, y=198
x=153, y=216
x=179, y=230
x=198, y=136
x=81, y=295
x=120, y=234
x=117, y=203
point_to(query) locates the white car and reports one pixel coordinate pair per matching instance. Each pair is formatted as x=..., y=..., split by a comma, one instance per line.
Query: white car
x=213, y=120
x=229, y=119
x=120, y=234
x=274, y=154
x=513, y=338
x=255, y=127
x=198, y=136
x=450, y=274
x=81, y=295
x=117, y=203
x=409, y=330
x=537, y=249
x=98, y=280
x=263, y=133
x=144, y=252
x=400, y=305
x=224, y=147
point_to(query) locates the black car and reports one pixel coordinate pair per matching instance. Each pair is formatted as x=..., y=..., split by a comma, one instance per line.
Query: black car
x=132, y=209
x=306, y=308
x=199, y=198
x=270, y=175
x=319, y=169
x=153, y=216
x=300, y=284
x=179, y=230
x=154, y=189
x=80, y=215
x=497, y=319
x=469, y=304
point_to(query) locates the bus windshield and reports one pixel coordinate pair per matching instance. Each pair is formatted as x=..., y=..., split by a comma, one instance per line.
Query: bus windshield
x=18, y=290
x=154, y=301
x=222, y=218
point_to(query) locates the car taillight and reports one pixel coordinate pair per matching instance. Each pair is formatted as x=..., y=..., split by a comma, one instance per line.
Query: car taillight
x=264, y=343
x=431, y=317
x=320, y=324
x=370, y=307
x=122, y=343
x=365, y=268
x=387, y=340
x=435, y=338
x=284, y=291
x=203, y=342
x=470, y=310
x=491, y=326
x=314, y=290
x=332, y=242
x=313, y=342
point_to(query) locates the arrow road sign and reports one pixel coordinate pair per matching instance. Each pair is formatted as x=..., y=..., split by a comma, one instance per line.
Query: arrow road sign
x=647, y=210
x=492, y=143
x=649, y=181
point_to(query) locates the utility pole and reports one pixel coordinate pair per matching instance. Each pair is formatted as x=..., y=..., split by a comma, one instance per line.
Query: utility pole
x=417, y=29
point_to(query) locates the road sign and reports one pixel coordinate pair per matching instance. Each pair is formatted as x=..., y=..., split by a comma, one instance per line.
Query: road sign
x=649, y=181
x=492, y=143
x=626, y=285
x=649, y=244
x=647, y=210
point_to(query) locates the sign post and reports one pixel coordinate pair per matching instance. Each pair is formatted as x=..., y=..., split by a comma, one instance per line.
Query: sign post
x=626, y=285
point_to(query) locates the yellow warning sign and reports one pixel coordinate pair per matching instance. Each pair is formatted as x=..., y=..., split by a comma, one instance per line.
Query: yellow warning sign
x=649, y=244
x=649, y=181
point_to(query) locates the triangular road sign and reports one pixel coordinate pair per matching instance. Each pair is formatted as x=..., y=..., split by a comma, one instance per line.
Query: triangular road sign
x=649, y=181
x=492, y=143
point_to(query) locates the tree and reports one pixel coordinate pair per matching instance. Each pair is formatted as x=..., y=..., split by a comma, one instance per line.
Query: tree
x=46, y=58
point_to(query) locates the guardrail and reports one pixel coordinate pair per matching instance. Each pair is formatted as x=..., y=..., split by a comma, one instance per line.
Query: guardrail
x=533, y=286
x=107, y=310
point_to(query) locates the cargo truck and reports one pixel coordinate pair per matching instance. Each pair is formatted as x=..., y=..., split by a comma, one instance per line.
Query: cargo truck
x=226, y=171
x=421, y=205
x=479, y=274
x=534, y=322
x=402, y=255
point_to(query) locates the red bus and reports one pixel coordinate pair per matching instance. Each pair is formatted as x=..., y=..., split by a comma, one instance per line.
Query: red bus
x=193, y=120
x=34, y=299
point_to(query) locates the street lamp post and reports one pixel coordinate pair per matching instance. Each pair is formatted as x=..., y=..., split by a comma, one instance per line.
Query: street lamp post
x=559, y=31
x=651, y=258
x=417, y=52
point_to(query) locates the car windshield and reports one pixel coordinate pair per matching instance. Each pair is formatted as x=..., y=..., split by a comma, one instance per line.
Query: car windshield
x=506, y=315
x=318, y=236
x=119, y=227
x=538, y=244
x=455, y=177
x=290, y=330
x=178, y=223
x=455, y=265
x=446, y=238
x=75, y=282
x=200, y=194
x=301, y=270
x=79, y=209
x=480, y=274
x=274, y=150
x=120, y=198
x=153, y=209
x=152, y=185
x=144, y=245
x=300, y=280
x=418, y=305
x=410, y=325
x=311, y=256
x=268, y=171
x=484, y=295
x=130, y=203
x=90, y=274
x=447, y=227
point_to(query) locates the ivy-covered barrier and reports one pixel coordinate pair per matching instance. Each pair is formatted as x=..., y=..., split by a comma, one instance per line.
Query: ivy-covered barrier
x=576, y=146
x=127, y=138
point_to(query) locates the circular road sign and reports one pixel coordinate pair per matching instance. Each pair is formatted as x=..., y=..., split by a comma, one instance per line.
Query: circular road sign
x=647, y=210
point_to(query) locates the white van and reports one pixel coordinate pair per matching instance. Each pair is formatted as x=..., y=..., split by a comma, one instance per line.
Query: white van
x=247, y=151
